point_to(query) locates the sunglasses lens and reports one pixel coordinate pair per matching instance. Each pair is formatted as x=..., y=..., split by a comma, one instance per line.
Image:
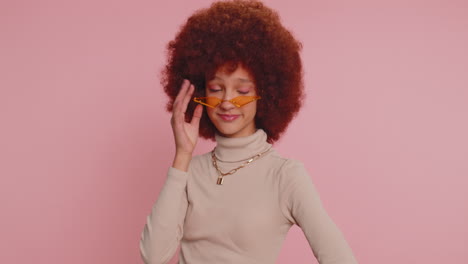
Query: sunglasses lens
x=209, y=101
x=213, y=101
x=242, y=100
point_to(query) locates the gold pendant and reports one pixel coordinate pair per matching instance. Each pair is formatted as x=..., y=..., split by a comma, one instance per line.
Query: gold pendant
x=220, y=180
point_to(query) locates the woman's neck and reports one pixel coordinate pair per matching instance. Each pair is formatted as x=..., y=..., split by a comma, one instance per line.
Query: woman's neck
x=241, y=148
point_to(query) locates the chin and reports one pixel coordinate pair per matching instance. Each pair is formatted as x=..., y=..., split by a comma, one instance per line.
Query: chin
x=236, y=128
x=227, y=132
x=234, y=132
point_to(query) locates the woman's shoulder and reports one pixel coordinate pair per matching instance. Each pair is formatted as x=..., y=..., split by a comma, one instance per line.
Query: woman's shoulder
x=201, y=158
x=287, y=170
x=200, y=162
x=286, y=164
x=291, y=171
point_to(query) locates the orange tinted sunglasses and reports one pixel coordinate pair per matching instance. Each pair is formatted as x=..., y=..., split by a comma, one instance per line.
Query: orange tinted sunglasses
x=215, y=101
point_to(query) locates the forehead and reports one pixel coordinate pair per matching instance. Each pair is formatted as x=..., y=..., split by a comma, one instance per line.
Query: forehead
x=239, y=74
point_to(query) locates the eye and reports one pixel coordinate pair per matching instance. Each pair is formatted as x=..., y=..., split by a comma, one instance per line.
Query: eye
x=214, y=88
x=244, y=90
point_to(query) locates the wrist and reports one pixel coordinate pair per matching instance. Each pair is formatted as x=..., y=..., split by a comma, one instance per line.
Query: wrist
x=182, y=160
x=183, y=153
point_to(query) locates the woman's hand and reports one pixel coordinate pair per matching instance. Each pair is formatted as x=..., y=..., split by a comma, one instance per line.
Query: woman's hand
x=185, y=134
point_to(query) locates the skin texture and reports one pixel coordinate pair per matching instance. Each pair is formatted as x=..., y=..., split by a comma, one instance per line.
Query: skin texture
x=226, y=86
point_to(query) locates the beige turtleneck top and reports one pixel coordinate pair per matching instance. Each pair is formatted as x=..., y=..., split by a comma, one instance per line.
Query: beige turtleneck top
x=245, y=220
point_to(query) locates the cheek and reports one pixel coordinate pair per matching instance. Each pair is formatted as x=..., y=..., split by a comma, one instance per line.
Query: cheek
x=251, y=110
x=209, y=112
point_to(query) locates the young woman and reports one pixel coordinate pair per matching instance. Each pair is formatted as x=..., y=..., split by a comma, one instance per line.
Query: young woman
x=234, y=75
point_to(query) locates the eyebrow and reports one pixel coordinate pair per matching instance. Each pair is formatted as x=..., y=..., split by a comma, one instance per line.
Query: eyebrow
x=239, y=79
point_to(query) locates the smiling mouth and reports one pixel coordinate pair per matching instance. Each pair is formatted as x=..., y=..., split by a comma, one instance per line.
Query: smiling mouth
x=228, y=117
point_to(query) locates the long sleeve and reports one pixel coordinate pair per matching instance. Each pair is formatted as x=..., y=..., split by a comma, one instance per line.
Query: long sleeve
x=164, y=226
x=301, y=204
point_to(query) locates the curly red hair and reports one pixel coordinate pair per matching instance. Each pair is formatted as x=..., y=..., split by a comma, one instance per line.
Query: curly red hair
x=232, y=33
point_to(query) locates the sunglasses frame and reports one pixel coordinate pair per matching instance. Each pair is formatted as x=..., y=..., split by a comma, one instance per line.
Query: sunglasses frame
x=251, y=99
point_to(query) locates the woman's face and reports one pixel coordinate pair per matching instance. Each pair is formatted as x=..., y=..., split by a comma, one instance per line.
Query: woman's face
x=229, y=120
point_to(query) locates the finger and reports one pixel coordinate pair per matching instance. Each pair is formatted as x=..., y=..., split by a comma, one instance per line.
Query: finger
x=187, y=98
x=177, y=111
x=182, y=92
x=197, y=114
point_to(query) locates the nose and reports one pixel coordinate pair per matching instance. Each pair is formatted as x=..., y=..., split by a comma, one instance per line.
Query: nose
x=225, y=104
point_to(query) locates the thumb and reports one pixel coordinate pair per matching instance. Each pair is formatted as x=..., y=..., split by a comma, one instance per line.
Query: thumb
x=197, y=114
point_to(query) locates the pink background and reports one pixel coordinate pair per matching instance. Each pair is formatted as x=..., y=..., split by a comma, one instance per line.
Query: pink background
x=85, y=141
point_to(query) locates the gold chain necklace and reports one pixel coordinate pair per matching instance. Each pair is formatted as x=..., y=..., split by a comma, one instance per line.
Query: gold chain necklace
x=222, y=174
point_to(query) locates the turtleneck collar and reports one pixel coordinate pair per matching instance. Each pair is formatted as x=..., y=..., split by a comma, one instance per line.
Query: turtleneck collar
x=241, y=148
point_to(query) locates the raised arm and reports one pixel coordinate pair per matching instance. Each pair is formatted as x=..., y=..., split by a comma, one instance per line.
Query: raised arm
x=301, y=204
x=164, y=225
